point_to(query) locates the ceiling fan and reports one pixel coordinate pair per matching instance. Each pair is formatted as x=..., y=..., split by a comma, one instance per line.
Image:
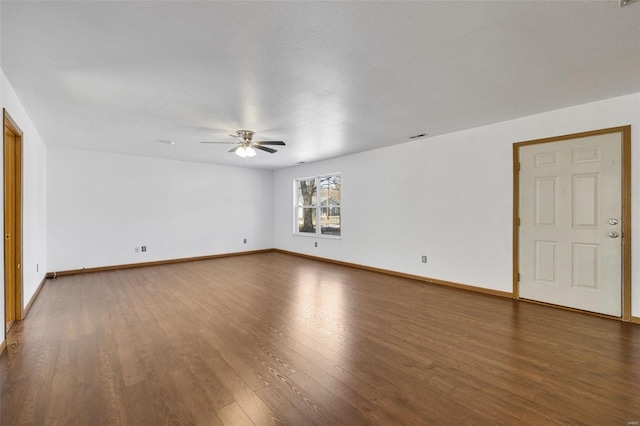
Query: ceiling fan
x=246, y=146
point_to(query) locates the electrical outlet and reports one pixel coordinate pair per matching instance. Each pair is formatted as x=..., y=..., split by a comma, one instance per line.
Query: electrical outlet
x=136, y=249
x=315, y=244
x=244, y=241
x=144, y=248
x=424, y=259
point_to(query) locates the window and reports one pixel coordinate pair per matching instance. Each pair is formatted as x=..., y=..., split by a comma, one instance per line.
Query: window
x=318, y=201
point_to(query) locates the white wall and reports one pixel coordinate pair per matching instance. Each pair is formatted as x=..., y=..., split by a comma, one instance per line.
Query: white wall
x=101, y=206
x=34, y=208
x=448, y=197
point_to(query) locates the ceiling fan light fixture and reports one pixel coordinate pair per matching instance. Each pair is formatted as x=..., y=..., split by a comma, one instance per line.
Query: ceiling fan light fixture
x=246, y=147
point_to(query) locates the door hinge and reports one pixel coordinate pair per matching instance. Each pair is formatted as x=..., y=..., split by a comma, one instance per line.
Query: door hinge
x=518, y=221
x=518, y=166
x=518, y=276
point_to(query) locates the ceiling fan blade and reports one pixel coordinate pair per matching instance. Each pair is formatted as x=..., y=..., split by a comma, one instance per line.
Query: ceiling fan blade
x=218, y=142
x=264, y=148
x=280, y=143
x=234, y=149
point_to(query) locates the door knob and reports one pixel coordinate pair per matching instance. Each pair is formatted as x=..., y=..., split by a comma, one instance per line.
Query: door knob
x=613, y=221
x=613, y=234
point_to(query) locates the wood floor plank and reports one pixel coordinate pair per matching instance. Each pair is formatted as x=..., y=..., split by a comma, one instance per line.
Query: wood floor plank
x=232, y=415
x=61, y=408
x=273, y=339
x=341, y=410
x=196, y=400
x=87, y=378
x=32, y=403
x=156, y=401
x=131, y=357
x=254, y=407
x=111, y=389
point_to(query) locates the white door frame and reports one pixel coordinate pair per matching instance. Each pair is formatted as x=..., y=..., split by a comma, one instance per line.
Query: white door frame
x=625, y=132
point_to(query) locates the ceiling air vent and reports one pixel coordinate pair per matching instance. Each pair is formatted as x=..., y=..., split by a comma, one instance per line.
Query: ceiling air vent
x=421, y=135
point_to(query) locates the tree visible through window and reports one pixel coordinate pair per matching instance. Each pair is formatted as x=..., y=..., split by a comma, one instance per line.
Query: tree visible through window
x=318, y=201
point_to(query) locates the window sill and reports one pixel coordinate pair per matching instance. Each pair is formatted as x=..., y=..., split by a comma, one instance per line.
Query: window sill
x=327, y=237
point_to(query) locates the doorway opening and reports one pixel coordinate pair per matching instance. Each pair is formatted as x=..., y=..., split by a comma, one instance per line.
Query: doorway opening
x=13, y=302
x=572, y=221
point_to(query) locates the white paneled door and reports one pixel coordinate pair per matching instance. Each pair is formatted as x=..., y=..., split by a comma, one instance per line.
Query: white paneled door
x=570, y=242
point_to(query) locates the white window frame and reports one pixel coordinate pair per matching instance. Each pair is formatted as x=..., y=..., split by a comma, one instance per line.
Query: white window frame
x=318, y=208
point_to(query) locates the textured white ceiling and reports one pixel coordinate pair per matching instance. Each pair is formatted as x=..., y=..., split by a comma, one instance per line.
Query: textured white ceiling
x=328, y=78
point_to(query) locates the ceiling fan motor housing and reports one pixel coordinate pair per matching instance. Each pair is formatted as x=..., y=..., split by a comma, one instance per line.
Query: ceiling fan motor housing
x=245, y=144
x=245, y=135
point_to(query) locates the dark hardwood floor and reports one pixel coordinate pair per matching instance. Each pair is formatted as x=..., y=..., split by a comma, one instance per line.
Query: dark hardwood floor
x=275, y=339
